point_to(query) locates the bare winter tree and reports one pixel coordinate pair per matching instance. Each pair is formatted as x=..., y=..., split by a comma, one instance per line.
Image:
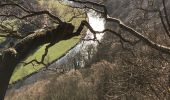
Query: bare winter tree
x=15, y=54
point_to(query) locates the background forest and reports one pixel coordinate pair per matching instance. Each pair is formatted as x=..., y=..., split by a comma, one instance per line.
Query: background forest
x=124, y=67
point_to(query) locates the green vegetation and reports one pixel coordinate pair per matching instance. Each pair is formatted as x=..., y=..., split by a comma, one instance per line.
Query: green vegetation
x=54, y=52
x=65, y=13
x=2, y=39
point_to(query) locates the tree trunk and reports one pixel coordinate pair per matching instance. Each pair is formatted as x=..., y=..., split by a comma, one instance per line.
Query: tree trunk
x=4, y=80
x=6, y=69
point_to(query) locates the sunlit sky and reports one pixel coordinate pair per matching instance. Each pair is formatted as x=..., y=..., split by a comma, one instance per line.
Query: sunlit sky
x=97, y=23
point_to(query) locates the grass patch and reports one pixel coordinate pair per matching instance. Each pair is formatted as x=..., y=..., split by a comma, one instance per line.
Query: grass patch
x=54, y=52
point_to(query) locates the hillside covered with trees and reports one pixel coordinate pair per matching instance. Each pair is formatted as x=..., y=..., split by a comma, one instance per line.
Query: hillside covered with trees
x=85, y=50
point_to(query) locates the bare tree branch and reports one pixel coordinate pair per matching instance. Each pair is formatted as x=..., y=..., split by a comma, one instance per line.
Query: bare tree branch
x=30, y=13
x=42, y=58
x=166, y=14
x=163, y=23
x=89, y=5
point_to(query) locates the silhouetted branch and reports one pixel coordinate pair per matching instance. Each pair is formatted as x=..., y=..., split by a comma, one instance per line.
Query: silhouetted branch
x=42, y=58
